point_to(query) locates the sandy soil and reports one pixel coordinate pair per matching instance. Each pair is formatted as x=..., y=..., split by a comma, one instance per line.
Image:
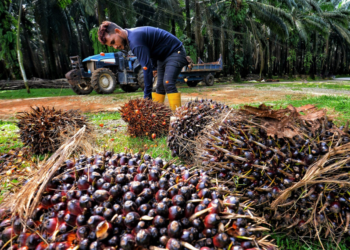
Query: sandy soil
x=8, y=108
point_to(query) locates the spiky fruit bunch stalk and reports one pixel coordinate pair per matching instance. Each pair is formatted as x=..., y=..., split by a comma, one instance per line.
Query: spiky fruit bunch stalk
x=190, y=120
x=146, y=117
x=126, y=201
x=244, y=151
x=43, y=129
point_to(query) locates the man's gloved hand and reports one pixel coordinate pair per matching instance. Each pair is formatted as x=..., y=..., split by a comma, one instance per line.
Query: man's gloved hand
x=154, y=73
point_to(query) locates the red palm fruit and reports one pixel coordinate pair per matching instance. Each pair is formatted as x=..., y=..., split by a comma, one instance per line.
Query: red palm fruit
x=101, y=196
x=179, y=200
x=84, y=244
x=205, y=248
x=199, y=208
x=216, y=206
x=174, y=191
x=63, y=246
x=189, y=210
x=82, y=233
x=52, y=246
x=83, y=183
x=116, y=191
x=33, y=241
x=131, y=219
x=57, y=198
x=211, y=220
x=94, y=221
x=46, y=201
x=136, y=187
x=85, y=202
x=74, y=207
x=175, y=213
x=173, y=244
x=103, y=230
x=154, y=136
x=231, y=202
x=64, y=228
x=221, y=240
x=41, y=246
x=335, y=207
x=23, y=238
x=60, y=206
x=204, y=193
x=15, y=247
x=187, y=236
x=160, y=195
x=81, y=220
x=61, y=215
x=5, y=223
x=50, y=225
x=153, y=175
x=159, y=221
x=144, y=209
x=143, y=238
x=70, y=219
x=8, y=234
x=52, y=185
x=21, y=248
x=127, y=242
x=174, y=229
x=185, y=175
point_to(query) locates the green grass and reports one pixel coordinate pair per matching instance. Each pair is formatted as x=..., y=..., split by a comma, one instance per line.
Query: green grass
x=8, y=136
x=98, y=118
x=322, y=85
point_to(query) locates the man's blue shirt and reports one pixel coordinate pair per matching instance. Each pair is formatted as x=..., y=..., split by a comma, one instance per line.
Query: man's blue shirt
x=150, y=44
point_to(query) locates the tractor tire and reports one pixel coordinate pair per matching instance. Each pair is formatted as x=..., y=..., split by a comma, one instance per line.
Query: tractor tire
x=83, y=88
x=192, y=84
x=103, y=81
x=141, y=81
x=129, y=88
x=209, y=80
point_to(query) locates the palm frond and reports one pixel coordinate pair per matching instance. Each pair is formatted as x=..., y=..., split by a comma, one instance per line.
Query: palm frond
x=89, y=6
x=301, y=30
x=271, y=10
x=343, y=32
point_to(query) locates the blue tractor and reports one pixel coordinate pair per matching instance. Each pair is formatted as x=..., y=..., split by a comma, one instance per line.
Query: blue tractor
x=104, y=72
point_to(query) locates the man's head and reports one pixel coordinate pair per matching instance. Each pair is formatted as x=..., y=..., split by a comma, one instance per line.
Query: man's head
x=112, y=35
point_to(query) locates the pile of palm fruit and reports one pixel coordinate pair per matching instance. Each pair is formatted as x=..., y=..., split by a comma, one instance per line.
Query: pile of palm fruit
x=190, y=120
x=291, y=164
x=43, y=129
x=132, y=201
x=146, y=118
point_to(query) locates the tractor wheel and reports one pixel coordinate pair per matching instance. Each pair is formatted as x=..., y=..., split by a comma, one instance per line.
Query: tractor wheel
x=192, y=84
x=155, y=80
x=103, y=81
x=129, y=88
x=83, y=88
x=209, y=80
x=141, y=79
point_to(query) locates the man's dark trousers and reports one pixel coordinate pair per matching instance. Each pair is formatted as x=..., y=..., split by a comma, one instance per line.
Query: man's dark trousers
x=168, y=71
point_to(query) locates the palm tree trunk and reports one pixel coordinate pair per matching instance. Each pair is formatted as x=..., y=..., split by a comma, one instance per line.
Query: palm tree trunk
x=100, y=12
x=198, y=31
x=188, y=22
x=173, y=27
x=19, y=52
x=211, y=57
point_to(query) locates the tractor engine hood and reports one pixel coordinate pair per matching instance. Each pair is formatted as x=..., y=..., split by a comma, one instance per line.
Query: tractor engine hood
x=107, y=58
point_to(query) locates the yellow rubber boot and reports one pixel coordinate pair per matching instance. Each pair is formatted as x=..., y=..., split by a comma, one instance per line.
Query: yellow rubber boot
x=174, y=101
x=158, y=97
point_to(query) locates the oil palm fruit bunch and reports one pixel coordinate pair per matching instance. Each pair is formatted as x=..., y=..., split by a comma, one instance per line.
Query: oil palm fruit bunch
x=126, y=201
x=43, y=129
x=146, y=117
x=243, y=154
x=191, y=119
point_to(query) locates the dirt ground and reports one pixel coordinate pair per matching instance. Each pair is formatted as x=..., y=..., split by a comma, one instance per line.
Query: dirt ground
x=8, y=108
